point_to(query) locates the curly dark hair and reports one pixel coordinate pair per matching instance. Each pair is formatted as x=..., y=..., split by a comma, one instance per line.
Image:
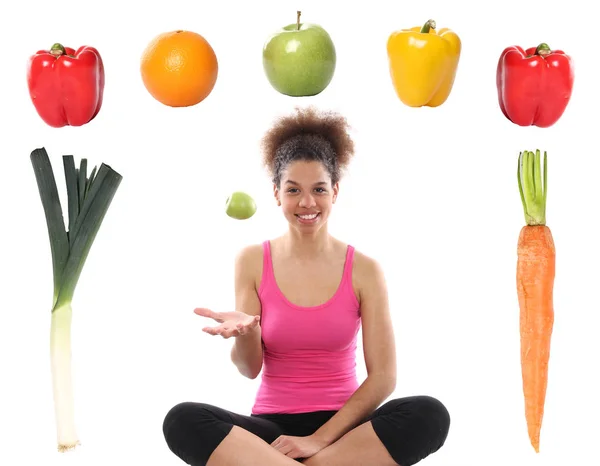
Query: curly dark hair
x=308, y=135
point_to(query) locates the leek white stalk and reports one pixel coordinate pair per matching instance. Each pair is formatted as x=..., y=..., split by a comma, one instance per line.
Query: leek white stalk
x=89, y=199
x=62, y=386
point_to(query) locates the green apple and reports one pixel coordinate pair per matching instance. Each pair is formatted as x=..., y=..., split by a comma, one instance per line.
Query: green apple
x=240, y=206
x=299, y=59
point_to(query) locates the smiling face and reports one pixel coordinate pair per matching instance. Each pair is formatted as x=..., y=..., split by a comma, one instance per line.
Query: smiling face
x=306, y=195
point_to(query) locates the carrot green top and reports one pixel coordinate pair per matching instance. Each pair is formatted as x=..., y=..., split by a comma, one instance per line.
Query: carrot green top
x=533, y=186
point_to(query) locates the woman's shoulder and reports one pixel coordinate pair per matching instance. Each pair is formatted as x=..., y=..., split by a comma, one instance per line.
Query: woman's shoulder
x=362, y=263
x=250, y=254
x=363, y=260
x=366, y=269
x=249, y=263
x=368, y=280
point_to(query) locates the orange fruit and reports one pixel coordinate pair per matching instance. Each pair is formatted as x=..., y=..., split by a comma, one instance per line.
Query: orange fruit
x=179, y=68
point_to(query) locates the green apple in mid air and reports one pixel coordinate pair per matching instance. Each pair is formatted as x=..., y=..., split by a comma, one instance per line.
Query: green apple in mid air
x=240, y=206
x=299, y=59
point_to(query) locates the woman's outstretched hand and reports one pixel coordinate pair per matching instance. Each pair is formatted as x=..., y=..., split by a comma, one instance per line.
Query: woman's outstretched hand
x=232, y=324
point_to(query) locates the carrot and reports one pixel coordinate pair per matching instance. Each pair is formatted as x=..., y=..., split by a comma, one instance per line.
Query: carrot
x=535, y=285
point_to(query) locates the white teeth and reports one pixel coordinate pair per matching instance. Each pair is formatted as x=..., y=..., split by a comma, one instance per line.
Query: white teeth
x=308, y=217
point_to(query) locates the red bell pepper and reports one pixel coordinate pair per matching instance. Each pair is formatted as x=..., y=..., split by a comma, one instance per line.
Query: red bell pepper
x=66, y=85
x=534, y=85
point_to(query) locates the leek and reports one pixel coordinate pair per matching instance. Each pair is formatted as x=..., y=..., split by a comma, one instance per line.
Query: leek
x=89, y=198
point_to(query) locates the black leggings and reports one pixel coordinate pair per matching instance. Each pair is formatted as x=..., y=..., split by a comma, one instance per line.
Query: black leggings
x=410, y=428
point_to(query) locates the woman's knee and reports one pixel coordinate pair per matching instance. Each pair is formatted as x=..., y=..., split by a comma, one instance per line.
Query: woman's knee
x=193, y=431
x=428, y=413
x=183, y=418
x=435, y=413
x=412, y=428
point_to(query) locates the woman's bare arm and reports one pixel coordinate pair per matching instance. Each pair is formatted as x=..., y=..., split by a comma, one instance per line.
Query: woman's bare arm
x=379, y=352
x=247, y=353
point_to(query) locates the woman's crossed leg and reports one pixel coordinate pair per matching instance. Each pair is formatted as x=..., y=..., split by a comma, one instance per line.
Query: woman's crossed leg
x=205, y=435
x=401, y=432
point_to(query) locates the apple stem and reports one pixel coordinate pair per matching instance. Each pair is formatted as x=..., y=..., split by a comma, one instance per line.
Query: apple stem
x=298, y=13
x=430, y=24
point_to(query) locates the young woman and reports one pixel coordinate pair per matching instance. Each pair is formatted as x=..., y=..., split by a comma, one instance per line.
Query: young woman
x=301, y=299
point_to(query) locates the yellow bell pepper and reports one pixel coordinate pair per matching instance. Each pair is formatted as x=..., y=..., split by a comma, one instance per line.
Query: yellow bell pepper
x=423, y=64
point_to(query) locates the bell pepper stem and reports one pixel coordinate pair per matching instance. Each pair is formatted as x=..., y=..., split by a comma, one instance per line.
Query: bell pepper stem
x=430, y=24
x=57, y=50
x=298, y=13
x=543, y=49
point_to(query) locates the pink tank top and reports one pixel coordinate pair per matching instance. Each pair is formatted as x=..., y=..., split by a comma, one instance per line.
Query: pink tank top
x=309, y=353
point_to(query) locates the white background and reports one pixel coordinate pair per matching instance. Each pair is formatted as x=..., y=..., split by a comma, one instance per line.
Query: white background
x=432, y=194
